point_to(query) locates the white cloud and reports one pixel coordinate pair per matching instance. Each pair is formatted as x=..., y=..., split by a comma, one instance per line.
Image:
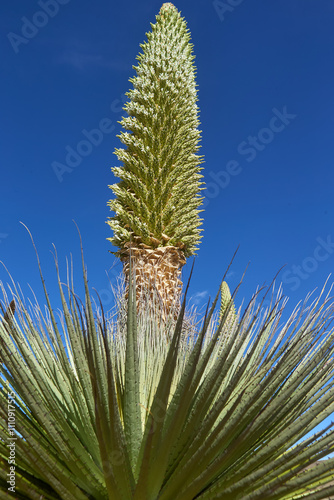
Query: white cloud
x=199, y=297
x=82, y=61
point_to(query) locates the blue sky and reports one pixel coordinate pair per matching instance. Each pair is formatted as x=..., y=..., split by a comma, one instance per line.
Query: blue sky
x=266, y=83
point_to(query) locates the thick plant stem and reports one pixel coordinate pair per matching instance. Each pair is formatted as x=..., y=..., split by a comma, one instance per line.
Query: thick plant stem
x=158, y=273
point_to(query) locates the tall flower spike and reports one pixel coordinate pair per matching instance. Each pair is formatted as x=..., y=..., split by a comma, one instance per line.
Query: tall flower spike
x=158, y=197
x=225, y=300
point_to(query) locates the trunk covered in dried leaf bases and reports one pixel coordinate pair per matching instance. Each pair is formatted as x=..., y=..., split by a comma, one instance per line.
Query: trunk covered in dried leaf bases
x=158, y=197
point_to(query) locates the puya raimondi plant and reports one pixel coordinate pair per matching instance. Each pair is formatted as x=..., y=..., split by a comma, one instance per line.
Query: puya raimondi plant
x=120, y=410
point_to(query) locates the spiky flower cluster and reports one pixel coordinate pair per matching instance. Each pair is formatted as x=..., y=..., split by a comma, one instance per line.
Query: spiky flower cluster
x=157, y=200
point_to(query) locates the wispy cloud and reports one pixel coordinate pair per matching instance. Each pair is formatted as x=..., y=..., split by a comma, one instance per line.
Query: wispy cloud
x=199, y=297
x=83, y=61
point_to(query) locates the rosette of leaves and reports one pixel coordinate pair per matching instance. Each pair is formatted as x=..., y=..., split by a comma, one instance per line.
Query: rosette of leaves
x=158, y=197
x=111, y=410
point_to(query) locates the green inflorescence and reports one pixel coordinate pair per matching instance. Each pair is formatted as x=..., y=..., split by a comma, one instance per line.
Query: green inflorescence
x=158, y=197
